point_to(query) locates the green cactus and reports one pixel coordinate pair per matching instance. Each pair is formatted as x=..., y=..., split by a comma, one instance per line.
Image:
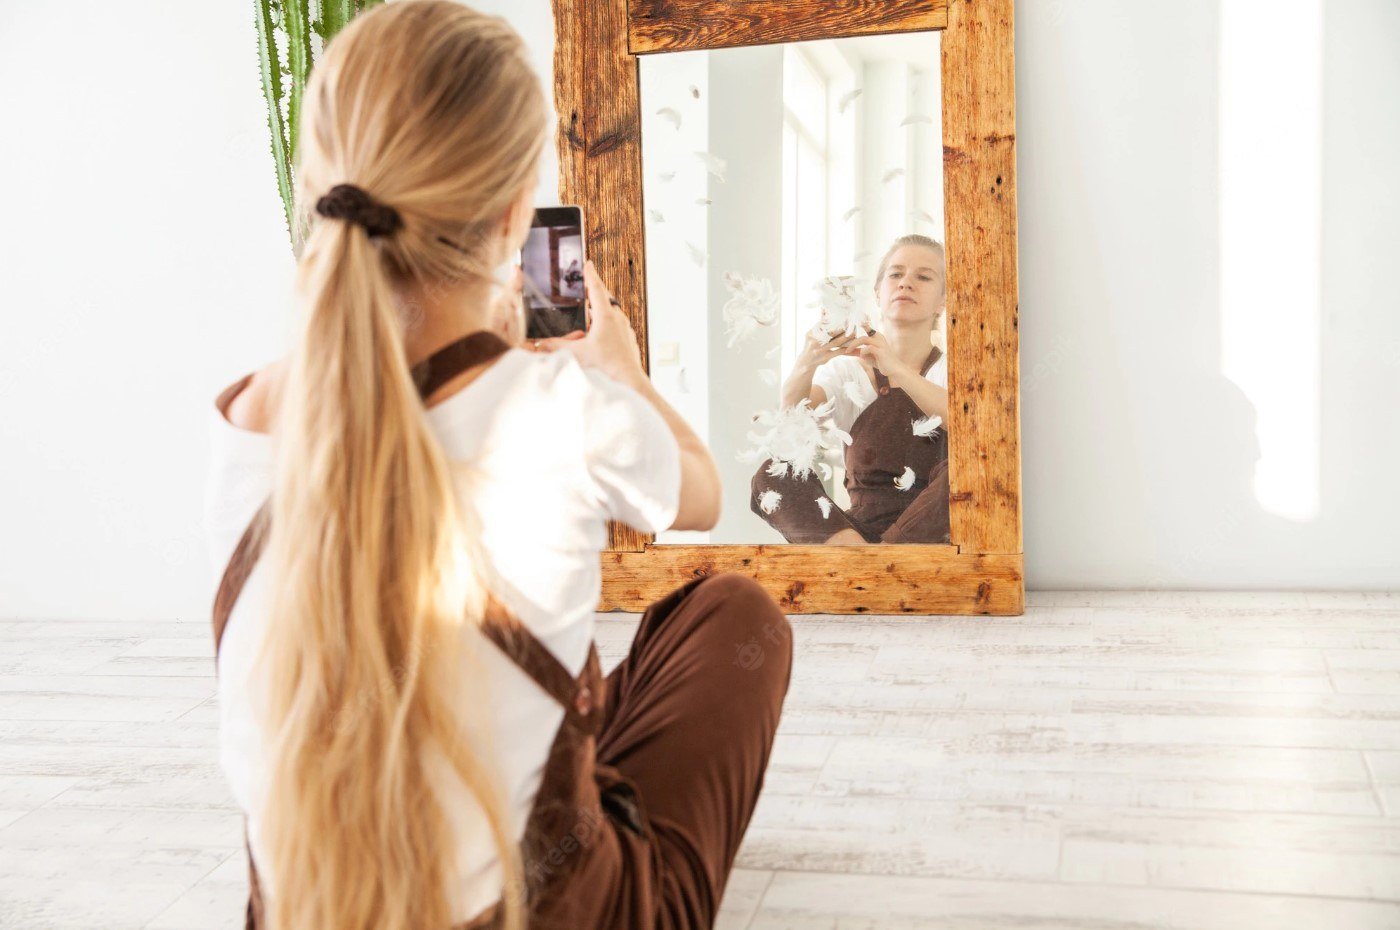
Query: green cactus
x=285, y=58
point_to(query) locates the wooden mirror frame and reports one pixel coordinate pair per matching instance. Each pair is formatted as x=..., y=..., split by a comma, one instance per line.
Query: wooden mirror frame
x=596, y=72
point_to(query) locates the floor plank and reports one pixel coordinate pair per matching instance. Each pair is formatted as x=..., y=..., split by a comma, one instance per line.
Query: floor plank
x=1111, y=759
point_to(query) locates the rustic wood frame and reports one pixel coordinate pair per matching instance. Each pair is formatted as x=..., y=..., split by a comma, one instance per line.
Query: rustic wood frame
x=600, y=159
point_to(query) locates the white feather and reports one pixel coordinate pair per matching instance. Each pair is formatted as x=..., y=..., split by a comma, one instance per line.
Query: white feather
x=773, y=352
x=847, y=100
x=841, y=309
x=795, y=435
x=655, y=216
x=905, y=481
x=752, y=303
x=849, y=213
x=825, y=505
x=694, y=91
x=768, y=376
x=891, y=175
x=853, y=392
x=668, y=176
x=703, y=201
x=926, y=426
x=768, y=501
x=778, y=469
x=913, y=118
x=670, y=115
x=698, y=255
x=713, y=164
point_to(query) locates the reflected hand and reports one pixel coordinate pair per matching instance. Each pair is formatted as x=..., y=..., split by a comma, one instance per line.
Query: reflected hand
x=818, y=350
x=876, y=349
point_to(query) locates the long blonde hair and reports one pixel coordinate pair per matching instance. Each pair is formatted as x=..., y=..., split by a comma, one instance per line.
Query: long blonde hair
x=433, y=109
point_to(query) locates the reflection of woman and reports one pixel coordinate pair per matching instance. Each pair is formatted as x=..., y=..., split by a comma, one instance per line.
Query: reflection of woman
x=414, y=718
x=881, y=384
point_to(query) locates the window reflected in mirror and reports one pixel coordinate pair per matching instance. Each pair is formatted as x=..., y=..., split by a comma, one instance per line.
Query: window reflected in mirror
x=794, y=224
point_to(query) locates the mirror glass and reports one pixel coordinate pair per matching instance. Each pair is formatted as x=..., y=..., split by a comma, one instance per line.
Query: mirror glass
x=793, y=199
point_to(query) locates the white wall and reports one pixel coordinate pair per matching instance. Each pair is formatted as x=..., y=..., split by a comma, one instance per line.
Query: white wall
x=145, y=266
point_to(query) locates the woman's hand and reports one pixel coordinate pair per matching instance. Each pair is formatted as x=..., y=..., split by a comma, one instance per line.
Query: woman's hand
x=610, y=344
x=876, y=349
x=817, y=351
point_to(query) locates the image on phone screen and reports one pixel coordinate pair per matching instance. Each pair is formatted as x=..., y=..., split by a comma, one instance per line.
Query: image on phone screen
x=552, y=260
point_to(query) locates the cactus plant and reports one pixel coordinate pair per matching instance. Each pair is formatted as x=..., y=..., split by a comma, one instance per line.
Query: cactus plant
x=286, y=53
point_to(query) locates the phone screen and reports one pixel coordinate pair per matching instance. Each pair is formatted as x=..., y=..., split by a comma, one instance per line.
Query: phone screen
x=552, y=260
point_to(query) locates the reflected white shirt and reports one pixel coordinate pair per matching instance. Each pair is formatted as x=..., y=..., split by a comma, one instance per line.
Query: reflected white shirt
x=834, y=376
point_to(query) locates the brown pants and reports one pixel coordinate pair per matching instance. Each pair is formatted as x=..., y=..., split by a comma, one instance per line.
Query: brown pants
x=690, y=717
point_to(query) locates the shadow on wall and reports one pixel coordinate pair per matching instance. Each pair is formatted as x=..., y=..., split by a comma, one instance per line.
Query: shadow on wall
x=1210, y=344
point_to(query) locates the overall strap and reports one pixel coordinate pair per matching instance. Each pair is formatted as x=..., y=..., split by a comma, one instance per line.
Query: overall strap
x=535, y=659
x=429, y=375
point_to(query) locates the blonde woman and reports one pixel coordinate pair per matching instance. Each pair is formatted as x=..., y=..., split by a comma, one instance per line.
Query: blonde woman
x=409, y=510
x=888, y=388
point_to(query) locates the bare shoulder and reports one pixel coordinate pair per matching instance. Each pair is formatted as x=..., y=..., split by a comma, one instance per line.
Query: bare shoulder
x=255, y=407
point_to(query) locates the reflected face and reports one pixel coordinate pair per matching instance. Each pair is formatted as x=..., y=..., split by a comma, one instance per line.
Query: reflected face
x=912, y=288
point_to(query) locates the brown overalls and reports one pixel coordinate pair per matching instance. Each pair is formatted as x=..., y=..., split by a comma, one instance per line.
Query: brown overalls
x=882, y=445
x=686, y=721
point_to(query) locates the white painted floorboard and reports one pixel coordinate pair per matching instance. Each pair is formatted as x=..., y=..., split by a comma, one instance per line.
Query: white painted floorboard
x=1108, y=761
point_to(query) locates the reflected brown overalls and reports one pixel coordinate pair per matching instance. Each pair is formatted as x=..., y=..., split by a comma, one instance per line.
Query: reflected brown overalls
x=882, y=445
x=685, y=721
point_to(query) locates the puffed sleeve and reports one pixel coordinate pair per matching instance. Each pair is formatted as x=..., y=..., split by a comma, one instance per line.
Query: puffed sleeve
x=631, y=458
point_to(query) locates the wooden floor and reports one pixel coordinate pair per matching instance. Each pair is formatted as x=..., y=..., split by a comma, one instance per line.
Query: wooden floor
x=1124, y=760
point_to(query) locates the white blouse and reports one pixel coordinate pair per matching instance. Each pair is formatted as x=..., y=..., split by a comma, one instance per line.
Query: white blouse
x=844, y=379
x=559, y=451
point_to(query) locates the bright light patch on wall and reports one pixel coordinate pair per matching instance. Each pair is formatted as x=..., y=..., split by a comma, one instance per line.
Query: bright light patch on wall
x=1270, y=237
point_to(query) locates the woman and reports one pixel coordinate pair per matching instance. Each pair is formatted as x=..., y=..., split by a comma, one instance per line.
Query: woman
x=411, y=507
x=885, y=388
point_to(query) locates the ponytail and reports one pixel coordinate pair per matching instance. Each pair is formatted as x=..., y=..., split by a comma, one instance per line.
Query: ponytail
x=374, y=701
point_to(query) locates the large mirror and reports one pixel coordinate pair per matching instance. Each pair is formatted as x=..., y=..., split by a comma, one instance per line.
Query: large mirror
x=796, y=284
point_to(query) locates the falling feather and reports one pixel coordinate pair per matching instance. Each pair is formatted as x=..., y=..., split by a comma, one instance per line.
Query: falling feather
x=768, y=501
x=670, y=115
x=840, y=310
x=773, y=352
x=853, y=392
x=926, y=426
x=655, y=216
x=703, y=201
x=825, y=506
x=861, y=255
x=713, y=164
x=799, y=435
x=914, y=118
x=768, y=376
x=682, y=384
x=921, y=215
x=778, y=469
x=697, y=254
x=905, y=481
x=752, y=303
x=824, y=471
x=891, y=175
x=847, y=100
x=668, y=176
x=849, y=213
x=694, y=91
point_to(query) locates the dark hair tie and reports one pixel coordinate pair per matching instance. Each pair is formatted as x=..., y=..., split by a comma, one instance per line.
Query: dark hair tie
x=348, y=202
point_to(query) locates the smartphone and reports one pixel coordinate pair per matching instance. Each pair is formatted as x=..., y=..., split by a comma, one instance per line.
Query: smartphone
x=552, y=260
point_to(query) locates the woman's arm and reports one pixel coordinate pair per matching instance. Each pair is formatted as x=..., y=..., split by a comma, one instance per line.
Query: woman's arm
x=799, y=381
x=700, y=485
x=930, y=398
